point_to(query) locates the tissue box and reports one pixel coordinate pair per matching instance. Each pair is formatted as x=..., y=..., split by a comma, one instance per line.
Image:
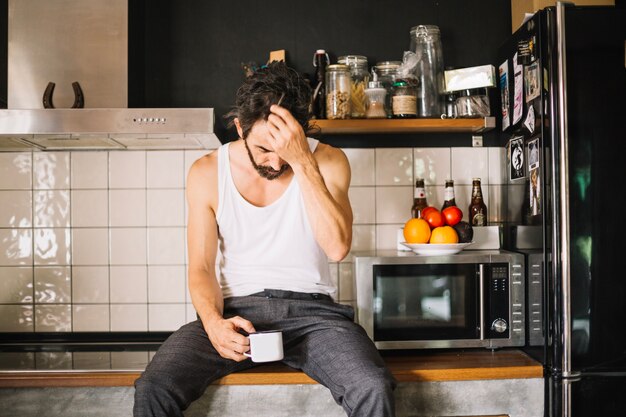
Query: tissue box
x=471, y=77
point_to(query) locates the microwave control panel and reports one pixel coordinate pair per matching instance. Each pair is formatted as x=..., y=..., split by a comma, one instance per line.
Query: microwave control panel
x=497, y=323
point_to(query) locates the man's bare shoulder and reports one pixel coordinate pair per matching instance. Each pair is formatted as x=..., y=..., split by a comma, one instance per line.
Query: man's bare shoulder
x=333, y=164
x=202, y=178
x=327, y=154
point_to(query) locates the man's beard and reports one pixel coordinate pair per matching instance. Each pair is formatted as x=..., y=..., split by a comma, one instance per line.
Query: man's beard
x=264, y=171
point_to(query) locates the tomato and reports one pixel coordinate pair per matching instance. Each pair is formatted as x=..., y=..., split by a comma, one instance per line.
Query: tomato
x=452, y=215
x=426, y=210
x=433, y=217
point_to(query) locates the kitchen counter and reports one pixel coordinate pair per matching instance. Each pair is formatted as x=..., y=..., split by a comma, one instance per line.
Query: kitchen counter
x=120, y=367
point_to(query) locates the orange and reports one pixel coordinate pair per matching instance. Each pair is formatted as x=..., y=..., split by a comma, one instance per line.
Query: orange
x=416, y=231
x=444, y=234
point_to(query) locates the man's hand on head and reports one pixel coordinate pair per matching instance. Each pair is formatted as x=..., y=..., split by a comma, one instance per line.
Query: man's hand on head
x=289, y=139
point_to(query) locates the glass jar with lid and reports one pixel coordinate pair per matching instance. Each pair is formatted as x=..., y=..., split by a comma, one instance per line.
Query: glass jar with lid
x=403, y=100
x=360, y=77
x=375, y=100
x=338, y=86
x=426, y=44
x=387, y=72
x=473, y=103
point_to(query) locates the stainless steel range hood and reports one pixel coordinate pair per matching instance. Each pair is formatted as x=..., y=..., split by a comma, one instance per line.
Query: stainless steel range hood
x=84, y=41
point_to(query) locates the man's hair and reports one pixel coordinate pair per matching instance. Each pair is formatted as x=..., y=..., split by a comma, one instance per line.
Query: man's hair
x=264, y=88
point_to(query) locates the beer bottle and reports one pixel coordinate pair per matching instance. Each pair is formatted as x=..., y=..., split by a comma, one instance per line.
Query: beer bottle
x=320, y=61
x=477, y=208
x=448, y=195
x=419, y=198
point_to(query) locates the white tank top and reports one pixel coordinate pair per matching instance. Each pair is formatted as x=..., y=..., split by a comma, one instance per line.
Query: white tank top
x=266, y=247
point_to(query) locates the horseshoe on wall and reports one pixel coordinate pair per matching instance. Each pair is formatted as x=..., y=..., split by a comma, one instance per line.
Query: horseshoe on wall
x=79, y=98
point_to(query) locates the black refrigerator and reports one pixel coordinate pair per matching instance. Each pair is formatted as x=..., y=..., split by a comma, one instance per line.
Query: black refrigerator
x=562, y=117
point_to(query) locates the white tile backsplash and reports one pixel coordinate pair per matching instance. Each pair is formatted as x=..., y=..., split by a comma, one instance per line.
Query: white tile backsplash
x=166, y=284
x=90, y=318
x=393, y=204
x=129, y=317
x=90, y=246
x=165, y=317
x=127, y=169
x=53, y=284
x=431, y=164
x=129, y=284
x=469, y=163
x=166, y=169
x=394, y=166
x=127, y=208
x=109, y=255
x=362, y=165
x=16, y=247
x=90, y=208
x=16, y=208
x=52, y=208
x=53, y=318
x=16, y=170
x=166, y=246
x=90, y=284
x=16, y=284
x=166, y=208
x=128, y=246
x=363, y=202
x=89, y=170
x=52, y=246
x=51, y=170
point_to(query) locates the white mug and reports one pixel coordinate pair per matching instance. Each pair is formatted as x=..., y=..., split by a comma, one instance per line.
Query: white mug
x=266, y=346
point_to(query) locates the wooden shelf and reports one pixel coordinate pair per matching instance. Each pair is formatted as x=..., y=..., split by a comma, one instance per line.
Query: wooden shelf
x=352, y=126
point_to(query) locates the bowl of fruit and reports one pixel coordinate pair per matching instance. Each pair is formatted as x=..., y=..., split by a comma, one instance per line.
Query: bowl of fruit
x=438, y=232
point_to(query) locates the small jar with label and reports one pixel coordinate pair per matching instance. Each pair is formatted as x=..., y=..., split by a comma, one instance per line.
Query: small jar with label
x=360, y=77
x=403, y=100
x=375, y=100
x=338, y=86
x=473, y=103
x=387, y=72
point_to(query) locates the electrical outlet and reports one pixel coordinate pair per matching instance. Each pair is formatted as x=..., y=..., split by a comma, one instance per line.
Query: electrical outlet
x=477, y=141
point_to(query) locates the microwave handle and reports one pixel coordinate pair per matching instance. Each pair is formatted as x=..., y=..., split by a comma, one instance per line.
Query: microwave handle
x=481, y=298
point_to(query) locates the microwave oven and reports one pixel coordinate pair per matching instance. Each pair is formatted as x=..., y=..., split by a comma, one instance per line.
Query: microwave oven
x=466, y=300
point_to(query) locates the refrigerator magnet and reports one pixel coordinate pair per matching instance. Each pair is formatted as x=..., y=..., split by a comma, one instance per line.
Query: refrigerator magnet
x=518, y=94
x=516, y=158
x=503, y=73
x=535, y=194
x=533, y=154
x=531, y=81
x=529, y=121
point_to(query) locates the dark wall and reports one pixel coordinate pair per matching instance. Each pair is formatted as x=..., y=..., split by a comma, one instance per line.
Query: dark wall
x=189, y=54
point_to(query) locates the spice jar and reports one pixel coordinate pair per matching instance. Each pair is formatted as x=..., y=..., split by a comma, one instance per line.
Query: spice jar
x=473, y=103
x=375, y=100
x=387, y=72
x=426, y=44
x=359, y=77
x=403, y=100
x=338, y=85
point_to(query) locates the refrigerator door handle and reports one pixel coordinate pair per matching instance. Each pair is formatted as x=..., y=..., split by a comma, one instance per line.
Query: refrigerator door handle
x=564, y=191
x=481, y=297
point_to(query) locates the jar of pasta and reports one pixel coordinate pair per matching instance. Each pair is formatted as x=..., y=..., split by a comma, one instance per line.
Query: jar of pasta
x=360, y=77
x=338, y=86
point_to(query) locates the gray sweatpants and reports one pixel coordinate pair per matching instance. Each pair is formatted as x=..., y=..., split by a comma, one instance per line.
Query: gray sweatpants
x=319, y=336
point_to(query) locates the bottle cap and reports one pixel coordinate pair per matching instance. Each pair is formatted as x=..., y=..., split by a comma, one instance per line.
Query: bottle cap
x=320, y=51
x=374, y=84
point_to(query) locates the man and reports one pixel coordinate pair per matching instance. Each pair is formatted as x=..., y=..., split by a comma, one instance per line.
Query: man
x=276, y=203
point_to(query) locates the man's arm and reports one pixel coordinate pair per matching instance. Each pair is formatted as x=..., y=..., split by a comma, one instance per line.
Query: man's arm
x=204, y=288
x=324, y=179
